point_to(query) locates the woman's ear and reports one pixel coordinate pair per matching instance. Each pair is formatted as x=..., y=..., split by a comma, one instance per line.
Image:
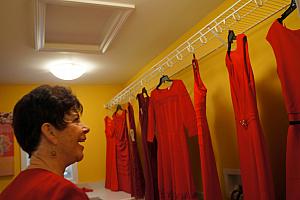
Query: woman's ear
x=49, y=132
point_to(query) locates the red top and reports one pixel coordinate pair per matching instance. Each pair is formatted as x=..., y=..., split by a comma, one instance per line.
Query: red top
x=286, y=43
x=41, y=184
x=111, y=179
x=171, y=112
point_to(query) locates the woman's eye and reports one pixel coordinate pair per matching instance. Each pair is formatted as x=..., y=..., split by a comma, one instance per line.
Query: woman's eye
x=76, y=120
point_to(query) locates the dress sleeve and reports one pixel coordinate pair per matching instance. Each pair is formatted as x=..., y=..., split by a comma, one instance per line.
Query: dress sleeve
x=188, y=111
x=151, y=122
x=70, y=192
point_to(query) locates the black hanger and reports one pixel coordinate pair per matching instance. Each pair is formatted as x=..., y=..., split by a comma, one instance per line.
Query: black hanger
x=194, y=58
x=144, y=91
x=163, y=79
x=230, y=38
x=119, y=107
x=286, y=13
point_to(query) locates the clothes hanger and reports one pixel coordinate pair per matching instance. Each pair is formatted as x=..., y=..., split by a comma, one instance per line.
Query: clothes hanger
x=119, y=107
x=194, y=58
x=286, y=13
x=162, y=80
x=144, y=91
x=230, y=38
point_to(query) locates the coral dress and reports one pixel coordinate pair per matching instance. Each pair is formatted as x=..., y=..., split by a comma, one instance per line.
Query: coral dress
x=111, y=179
x=286, y=46
x=122, y=149
x=137, y=176
x=150, y=151
x=209, y=173
x=255, y=167
x=171, y=112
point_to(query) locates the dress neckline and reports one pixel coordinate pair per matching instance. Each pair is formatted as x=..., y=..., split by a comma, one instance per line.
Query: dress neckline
x=167, y=89
x=286, y=28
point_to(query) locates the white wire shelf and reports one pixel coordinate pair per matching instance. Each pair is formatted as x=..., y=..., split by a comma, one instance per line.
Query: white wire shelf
x=240, y=17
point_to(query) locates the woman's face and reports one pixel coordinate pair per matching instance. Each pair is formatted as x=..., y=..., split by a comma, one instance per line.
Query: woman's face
x=69, y=145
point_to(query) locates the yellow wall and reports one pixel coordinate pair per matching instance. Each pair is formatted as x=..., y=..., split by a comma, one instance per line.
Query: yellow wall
x=93, y=98
x=219, y=106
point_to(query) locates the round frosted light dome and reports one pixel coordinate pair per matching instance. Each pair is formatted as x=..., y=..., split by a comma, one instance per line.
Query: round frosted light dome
x=67, y=71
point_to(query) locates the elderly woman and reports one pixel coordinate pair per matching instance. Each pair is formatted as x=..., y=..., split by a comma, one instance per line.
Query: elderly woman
x=47, y=126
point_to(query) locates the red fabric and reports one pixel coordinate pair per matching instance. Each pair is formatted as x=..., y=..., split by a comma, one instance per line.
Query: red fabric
x=137, y=176
x=209, y=173
x=111, y=179
x=170, y=112
x=150, y=151
x=286, y=46
x=122, y=147
x=254, y=161
x=84, y=189
x=33, y=184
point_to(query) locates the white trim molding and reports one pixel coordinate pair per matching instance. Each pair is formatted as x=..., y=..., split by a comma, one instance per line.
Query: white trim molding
x=115, y=26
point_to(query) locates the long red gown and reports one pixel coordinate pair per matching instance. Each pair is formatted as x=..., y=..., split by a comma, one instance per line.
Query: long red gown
x=286, y=46
x=209, y=173
x=171, y=112
x=137, y=176
x=111, y=179
x=255, y=167
x=122, y=147
x=150, y=151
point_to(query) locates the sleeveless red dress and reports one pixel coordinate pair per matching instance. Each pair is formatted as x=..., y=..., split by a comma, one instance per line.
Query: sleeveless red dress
x=111, y=179
x=171, y=112
x=209, y=173
x=122, y=149
x=286, y=46
x=255, y=167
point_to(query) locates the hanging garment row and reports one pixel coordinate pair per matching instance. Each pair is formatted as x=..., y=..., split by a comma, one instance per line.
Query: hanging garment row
x=169, y=111
x=123, y=165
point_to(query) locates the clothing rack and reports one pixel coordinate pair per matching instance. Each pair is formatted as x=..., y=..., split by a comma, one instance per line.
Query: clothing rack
x=240, y=17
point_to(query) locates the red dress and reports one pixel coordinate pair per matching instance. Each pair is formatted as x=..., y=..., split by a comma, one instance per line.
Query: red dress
x=286, y=46
x=150, y=151
x=137, y=176
x=209, y=173
x=122, y=148
x=171, y=112
x=254, y=161
x=111, y=179
x=32, y=184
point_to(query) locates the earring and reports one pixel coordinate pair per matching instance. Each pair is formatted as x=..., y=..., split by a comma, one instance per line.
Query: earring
x=53, y=152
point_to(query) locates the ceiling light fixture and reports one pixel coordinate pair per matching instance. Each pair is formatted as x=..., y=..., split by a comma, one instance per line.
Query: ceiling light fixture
x=67, y=71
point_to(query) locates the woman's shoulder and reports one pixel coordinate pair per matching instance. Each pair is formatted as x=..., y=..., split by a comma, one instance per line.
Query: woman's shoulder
x=41, y=184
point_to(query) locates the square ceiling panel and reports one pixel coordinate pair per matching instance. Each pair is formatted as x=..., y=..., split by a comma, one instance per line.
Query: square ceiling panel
x=78, y=25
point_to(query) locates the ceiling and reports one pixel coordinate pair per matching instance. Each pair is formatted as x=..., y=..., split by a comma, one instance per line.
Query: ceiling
x=151, y=27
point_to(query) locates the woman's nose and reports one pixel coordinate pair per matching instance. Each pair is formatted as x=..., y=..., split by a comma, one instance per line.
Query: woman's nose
x=85, y=129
